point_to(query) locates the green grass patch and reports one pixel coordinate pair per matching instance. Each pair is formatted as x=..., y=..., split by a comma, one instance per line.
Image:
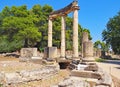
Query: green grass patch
x=99, y=60
x=1, y=85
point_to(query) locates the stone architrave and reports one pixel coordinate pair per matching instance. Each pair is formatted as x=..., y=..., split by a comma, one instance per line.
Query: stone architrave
x=75, y=34
x=63, y=37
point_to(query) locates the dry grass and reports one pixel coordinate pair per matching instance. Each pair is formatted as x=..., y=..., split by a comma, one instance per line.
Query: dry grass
x=16, y=67
x=11, y=64
x=2, y=58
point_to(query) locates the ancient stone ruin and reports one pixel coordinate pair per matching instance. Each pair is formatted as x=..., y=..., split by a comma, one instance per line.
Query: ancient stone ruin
x=87, y=46
x=87, y=75
x=82, y=74
x=11, y=78
x=73, y=7
x=27, y=54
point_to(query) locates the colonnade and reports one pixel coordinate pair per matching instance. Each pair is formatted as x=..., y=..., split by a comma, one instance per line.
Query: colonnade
x=63, y=26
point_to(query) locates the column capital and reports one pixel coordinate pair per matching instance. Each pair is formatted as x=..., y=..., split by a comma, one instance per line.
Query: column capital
x=63, y=14
x=75, y=8
x=50, y=18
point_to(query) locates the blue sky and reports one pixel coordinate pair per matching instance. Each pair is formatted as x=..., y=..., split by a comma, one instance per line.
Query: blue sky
x=93, y=14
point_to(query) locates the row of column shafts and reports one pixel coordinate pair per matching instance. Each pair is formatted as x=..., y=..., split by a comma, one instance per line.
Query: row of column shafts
x=63, y=25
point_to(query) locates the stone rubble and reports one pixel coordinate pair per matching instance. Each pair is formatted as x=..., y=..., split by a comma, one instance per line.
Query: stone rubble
x=89, y=76
x=28, y=75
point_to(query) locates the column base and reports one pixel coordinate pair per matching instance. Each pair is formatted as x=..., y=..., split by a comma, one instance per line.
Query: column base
x=76, y=58
x=62, y=58
x=50, y=52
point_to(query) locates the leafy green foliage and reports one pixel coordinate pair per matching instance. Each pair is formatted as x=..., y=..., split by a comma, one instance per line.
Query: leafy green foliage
x=112, y=34
x=101, y=45
x=99, y=60
x=89, y=36
x=20, y=27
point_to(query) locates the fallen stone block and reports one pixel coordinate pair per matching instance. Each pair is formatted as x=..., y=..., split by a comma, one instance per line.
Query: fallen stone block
x=11, y=78
x=86, y=74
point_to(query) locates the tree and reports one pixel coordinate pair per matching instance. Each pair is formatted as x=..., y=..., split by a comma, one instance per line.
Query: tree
x=97, y=44
x=112, y=33
x=101, y=45
x=87, y=30
x=20, y=27
x=41, y=22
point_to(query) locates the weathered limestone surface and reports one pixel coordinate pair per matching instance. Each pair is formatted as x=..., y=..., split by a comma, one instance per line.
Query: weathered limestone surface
x=75, y=34
x=62, y=12
x=26, y=54
x=73, y=82
x=50, y=32
x=27, y=76
x=85, y=37
x=63, y=37
x=65, y=10
x=88, y=49
x=50, y=52
x=86, y=74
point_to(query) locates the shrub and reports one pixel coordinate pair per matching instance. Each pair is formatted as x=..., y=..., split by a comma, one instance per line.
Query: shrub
x=99, y=60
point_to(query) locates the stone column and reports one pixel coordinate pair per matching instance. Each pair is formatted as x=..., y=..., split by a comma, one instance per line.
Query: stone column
x=50, y=32
x=75, y=33
x=63, y=37
x=84, y=39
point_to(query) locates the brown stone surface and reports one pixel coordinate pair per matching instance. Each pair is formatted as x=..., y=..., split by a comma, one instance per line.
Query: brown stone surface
x=66, y=10
x=88, y=49
x=97, y=52
x=85, y=37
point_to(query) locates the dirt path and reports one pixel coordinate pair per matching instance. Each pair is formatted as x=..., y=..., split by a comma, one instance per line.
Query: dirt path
x=112, y=67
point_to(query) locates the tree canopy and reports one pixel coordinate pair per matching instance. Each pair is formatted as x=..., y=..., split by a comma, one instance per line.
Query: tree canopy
x=101, y=45
x=22, y=27
x=112, y=33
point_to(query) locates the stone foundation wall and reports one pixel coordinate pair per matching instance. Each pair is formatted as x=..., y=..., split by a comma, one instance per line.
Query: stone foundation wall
x=28, y=76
